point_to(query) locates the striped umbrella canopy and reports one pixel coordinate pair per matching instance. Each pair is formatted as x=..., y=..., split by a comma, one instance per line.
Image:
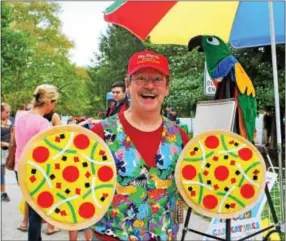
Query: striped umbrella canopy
x=242, y=24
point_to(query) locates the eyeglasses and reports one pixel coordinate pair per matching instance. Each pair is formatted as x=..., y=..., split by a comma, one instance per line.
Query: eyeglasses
x=143, y=80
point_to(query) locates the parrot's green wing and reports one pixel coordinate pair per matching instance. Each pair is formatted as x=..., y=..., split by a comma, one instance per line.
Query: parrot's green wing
x=248, y=108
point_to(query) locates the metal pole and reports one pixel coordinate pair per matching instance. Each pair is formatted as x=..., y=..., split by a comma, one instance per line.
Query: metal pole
x=277, y=106
x=228, y=229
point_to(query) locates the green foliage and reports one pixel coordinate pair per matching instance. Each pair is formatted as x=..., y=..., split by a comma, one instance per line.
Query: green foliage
x=116, y=47
x=187, y=69
x=34, y=52
x=258, y=65
x=5, y=15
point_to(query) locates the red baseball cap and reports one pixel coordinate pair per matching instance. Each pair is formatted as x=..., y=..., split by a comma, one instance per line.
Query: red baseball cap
x=145, y=59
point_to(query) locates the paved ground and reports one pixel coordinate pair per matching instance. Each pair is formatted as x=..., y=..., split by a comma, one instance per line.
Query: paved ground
x=11, y=218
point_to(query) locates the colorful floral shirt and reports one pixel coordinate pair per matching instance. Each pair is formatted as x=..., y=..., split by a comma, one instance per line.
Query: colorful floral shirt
x=143, y=207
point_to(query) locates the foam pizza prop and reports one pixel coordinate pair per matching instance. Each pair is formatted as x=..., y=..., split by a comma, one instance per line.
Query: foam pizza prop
x=67, y=175
x=220, y=174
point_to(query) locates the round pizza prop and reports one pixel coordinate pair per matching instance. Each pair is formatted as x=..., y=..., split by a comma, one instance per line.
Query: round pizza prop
x=220, y=174
x=67, y=175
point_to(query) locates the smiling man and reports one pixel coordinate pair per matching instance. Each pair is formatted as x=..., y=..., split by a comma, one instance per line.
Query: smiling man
x=145, y=146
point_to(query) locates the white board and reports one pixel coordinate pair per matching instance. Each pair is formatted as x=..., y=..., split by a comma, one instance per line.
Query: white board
x=214, y=115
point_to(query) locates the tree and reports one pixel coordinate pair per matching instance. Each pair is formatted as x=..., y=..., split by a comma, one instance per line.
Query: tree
x=258, y=64
x=116, y=47
x=34, y=52
x=15, y=54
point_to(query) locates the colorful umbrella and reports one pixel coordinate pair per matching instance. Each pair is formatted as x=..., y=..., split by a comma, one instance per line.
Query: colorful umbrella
x=242, y=24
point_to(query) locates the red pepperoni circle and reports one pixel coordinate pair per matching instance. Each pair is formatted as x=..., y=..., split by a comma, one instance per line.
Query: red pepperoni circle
x=221, y=173
x=212, y=142
x=41, y=154
x=70, y=173
x=210, y=201
x=105, y=173
x=247, y=191
x=245, y=154
x=81, y=141
x=189, y=172
x=86, y=210
x=45, y=199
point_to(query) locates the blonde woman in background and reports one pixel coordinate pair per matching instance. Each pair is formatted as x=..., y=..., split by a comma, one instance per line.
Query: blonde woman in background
x=27, y=125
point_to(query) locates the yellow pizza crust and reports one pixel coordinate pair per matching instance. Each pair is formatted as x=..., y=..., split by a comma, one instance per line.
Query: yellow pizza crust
x=67, y=175
x=220, y=174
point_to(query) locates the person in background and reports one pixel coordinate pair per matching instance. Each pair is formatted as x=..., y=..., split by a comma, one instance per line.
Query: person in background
x=88, y=123
x=22, y=108
x=73, y=235
x=171, y=113
x=6, y=126
x=54, y=118
x=267, y=124
x=121, y=102
x=145, y=146
x=28, y=125
x=29, y=106
x=70, y=119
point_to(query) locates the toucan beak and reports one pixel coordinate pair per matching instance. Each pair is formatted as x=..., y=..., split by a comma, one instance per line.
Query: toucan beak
x=196, y=42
